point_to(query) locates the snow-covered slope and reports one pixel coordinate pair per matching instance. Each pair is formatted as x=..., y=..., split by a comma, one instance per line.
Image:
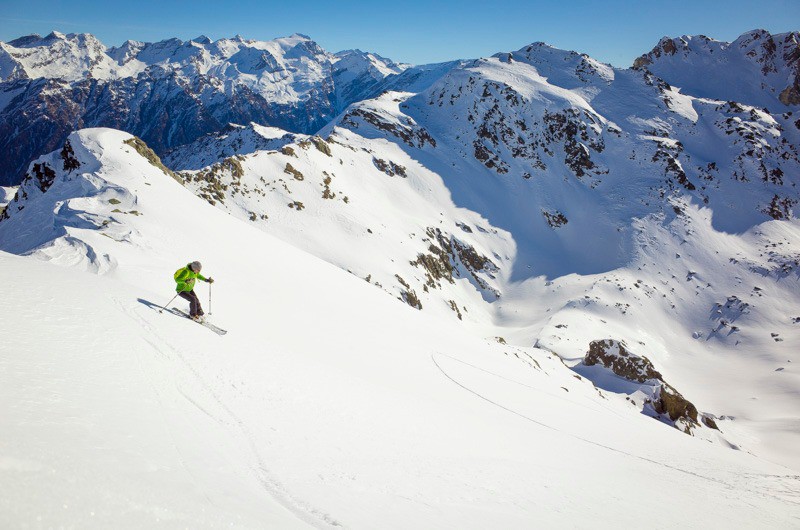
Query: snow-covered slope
x=549, y=199
x=758, y=68
x=6, y=195
x=357, y=73
x=231, y=141
x=56, y=56
x=327, y=404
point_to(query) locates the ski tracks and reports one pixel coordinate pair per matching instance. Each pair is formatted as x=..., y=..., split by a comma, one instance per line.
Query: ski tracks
x=789, y=491
x=224, y=416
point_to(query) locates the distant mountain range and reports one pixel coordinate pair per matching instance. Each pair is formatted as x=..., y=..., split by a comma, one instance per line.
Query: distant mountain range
x=173, y=92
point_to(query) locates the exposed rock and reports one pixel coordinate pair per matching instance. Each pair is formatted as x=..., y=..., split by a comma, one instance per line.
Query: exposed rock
x=613, y=355
x=447, y=255
x=790, y=95
x=389, y=167
x=410, y=133
x=68, y=156
x=780, y=207
x=142, y=148
x=555, y=218
x=290, y=170
x=665, y=402
x=408, y=295
x=43, y=176
x=670, y=402
x=321, y=145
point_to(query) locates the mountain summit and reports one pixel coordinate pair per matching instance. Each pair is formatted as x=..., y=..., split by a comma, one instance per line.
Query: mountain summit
x=758, y=68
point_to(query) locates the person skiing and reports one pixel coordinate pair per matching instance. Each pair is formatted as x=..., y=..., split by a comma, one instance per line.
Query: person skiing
x=185, y=278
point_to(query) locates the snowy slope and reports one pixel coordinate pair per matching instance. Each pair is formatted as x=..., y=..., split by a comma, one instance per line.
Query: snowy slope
x=549, y=199
x=70, y=58
x=357, y=73
x=758, y=68
x=327, y=404
x=231, y=141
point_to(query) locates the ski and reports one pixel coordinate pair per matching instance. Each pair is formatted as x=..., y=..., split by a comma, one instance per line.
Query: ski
x=216, y=329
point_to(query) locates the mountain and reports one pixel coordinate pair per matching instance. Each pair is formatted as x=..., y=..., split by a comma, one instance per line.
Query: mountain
x=549, y=199
x=758, y=68
x=327, y=403
x=357, y=74
x=171, y=92
x=527, y=254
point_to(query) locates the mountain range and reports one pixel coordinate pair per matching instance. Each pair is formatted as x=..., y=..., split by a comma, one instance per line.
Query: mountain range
x=566, y=236
x=171, y=92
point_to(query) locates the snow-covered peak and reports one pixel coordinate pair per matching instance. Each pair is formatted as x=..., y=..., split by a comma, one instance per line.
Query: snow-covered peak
x=560, y=67
x=758, y=68
x=356, y=62
x=282, y=70
x=357, y=74
x=57, y=56
x=288, y=82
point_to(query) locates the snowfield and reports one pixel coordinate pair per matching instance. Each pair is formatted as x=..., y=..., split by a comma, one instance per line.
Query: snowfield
x=328, y=403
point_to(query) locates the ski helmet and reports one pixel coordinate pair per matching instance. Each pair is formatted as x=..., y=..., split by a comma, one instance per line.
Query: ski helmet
x=195, y=266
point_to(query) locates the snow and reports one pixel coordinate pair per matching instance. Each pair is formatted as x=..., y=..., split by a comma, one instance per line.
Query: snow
x=7, y=194
x=327, y=404
x=234, y=140
x=753, y=69
x=283, y=71
x=640, y=259
x=525, y=205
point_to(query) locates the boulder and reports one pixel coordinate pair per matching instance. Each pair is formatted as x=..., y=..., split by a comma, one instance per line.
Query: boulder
x=666, y=403
x=615, y=356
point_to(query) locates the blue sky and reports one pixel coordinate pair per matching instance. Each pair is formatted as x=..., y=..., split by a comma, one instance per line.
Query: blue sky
x=614, y=31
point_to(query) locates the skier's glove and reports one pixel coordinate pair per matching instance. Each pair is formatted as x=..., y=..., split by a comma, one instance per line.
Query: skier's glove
x=211, y=280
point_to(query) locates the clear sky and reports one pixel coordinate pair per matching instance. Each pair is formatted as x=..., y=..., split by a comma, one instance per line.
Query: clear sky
x=418, y=31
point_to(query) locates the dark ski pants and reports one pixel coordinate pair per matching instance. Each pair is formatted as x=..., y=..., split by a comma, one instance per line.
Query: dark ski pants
x=194, y=302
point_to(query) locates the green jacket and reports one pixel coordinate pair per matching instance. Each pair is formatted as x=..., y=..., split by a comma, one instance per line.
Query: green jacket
x=185, y=278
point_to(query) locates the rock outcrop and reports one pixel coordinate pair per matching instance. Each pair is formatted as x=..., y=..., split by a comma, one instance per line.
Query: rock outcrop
x=664, y=401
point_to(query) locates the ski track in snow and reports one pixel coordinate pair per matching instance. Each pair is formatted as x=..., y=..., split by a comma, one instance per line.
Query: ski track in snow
x=791, y=495
x=227, y=418
x=562, y=398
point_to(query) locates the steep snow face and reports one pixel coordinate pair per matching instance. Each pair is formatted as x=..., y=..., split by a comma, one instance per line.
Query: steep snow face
x=758, y=68
x=357, y=73
x=7, y=194
x=416, y=78
x=327, y=404
x=544, y=197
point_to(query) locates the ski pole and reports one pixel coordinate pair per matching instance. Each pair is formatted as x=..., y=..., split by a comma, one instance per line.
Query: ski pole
x=209, y=298
x=163, y=308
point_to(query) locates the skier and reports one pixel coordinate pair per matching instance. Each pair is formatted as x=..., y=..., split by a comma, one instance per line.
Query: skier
x=185, y=278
